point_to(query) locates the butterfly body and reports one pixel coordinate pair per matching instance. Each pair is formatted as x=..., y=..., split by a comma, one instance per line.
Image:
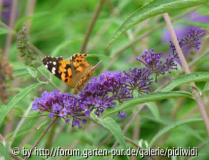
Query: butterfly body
x=75, y=72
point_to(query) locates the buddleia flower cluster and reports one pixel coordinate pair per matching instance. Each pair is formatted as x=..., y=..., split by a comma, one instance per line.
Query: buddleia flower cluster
x=189, y=41
x=155, y=63
x=104, y=92
x=63, y=106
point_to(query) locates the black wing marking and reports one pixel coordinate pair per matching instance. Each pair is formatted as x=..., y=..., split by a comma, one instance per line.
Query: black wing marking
x=52, y=64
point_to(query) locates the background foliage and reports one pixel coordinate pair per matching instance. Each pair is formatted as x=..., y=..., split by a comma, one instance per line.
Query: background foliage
x=57, y=28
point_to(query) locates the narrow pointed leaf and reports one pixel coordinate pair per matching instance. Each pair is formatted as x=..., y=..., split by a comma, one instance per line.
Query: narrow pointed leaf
x=152, y=9
x=206, y=88
x=16, y=99
x=186, y=78
x=148, y=98
x=115, y=129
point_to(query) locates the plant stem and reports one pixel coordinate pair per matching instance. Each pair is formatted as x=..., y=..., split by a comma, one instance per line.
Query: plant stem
x=11, y=23
x=34, y=48
x=187, y=70
x=49, y=141
x=91, y=25
x=1, y=3
x=42, y=135
x=30, y=6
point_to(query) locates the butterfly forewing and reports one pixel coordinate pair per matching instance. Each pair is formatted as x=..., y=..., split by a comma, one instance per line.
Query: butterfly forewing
x=52, y=64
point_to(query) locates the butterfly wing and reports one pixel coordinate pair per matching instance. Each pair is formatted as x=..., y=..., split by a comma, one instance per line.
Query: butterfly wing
x=81, y=67
x=86, y=77
x=69, y=71
x=52, y=64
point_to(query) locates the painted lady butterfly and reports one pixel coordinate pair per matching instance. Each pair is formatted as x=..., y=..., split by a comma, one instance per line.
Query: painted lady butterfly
x=75, y=72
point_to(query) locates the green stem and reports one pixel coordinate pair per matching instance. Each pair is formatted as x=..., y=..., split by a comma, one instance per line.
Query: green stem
x=91, y=25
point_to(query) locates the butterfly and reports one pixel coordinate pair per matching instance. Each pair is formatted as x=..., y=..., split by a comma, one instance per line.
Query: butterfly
x=75, y=72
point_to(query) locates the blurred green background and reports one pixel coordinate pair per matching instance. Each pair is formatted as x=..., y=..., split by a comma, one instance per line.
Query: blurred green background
x=57, y=28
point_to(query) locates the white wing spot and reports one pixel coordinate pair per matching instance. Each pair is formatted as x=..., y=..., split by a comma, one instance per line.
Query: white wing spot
x=53, y=70
x=46, y=66
x=50, y=62
x=54, y=63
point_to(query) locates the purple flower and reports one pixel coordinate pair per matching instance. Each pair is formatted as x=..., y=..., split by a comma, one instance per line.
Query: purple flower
x=104, y=104
x=67, y=103
x=35, y=104
x=6, y=12
x=138, y=79
x=63, y=112
x=76, y=122
x=51, y=115
x=187, y=41
x=191, y=40
x=67, y=120
x=87, y=113
x=103, y=92
x=84, y=105
x=122, y=115
x=96, y=102
x=60, y=105
x=150, y=59
x=155, y=64
x=56, y=107
x=84, y=121
x=181, y=30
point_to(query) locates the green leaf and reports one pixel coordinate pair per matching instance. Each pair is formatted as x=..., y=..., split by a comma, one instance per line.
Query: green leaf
x=115, y=129
x=17, y=98
x=20, y=133
x=170, y=127
x=201, y=61
x=206, y=88
x=152, y=9
x=148, y=98
x=4, y=152
x=153, y=108
x=46, y=121
x=33, y=72
x=33, y=116
x=19, y=72
x=186, y=78
x=3, y=31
